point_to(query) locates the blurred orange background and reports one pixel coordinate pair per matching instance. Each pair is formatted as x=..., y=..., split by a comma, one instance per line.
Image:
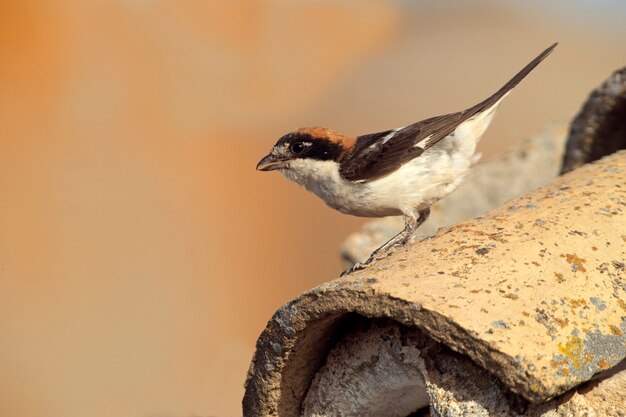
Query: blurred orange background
x=140, y=253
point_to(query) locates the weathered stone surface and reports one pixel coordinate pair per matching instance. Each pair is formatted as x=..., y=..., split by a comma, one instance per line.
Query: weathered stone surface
x=599, y=398
x=375, y=370
x=527, y=165
x=599, y=129
x=381, y=368
x=533, y=292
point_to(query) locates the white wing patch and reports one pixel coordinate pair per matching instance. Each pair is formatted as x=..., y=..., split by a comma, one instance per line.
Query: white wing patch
x=422, y=143
x=391, y=134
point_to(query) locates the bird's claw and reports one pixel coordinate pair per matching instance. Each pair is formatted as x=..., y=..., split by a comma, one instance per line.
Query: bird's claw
x=356, y=267
x=376, y=256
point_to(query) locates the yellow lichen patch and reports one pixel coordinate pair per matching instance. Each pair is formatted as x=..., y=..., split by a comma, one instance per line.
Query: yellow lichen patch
x=580, y=302
x=555, y=364
x=562, y=322
x=574, y=260
x=573, y=349
x=604, y=364
x=588, y=358
x=463, y=247
x=615, y=330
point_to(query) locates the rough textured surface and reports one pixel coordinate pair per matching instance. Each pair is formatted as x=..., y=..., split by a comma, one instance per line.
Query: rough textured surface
x=381, y=368
x=526, y=166
x=599, y=398
x=375, y=370
x=384, y=369
x=547, y=267
x=457, y=387
x=600, y=127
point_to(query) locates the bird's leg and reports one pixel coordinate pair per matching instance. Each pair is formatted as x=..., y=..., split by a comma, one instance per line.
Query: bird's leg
x=411, y=223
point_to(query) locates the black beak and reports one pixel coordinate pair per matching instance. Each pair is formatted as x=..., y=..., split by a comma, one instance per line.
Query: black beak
x=270, y=163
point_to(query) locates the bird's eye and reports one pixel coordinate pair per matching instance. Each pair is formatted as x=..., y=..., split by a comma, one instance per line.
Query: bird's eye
x=297, y=147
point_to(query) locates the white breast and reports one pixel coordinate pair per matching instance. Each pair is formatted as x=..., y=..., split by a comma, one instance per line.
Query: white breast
x=416, y=185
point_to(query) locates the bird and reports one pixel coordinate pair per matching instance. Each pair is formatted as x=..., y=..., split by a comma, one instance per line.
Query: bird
x=401, y=171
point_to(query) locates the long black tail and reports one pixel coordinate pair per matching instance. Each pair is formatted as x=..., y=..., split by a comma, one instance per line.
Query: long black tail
x=485, y=104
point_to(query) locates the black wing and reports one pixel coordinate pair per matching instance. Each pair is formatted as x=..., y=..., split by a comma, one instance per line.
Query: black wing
x=378, y=154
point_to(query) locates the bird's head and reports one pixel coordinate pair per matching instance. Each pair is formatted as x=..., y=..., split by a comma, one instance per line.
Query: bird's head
x=312, y=143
